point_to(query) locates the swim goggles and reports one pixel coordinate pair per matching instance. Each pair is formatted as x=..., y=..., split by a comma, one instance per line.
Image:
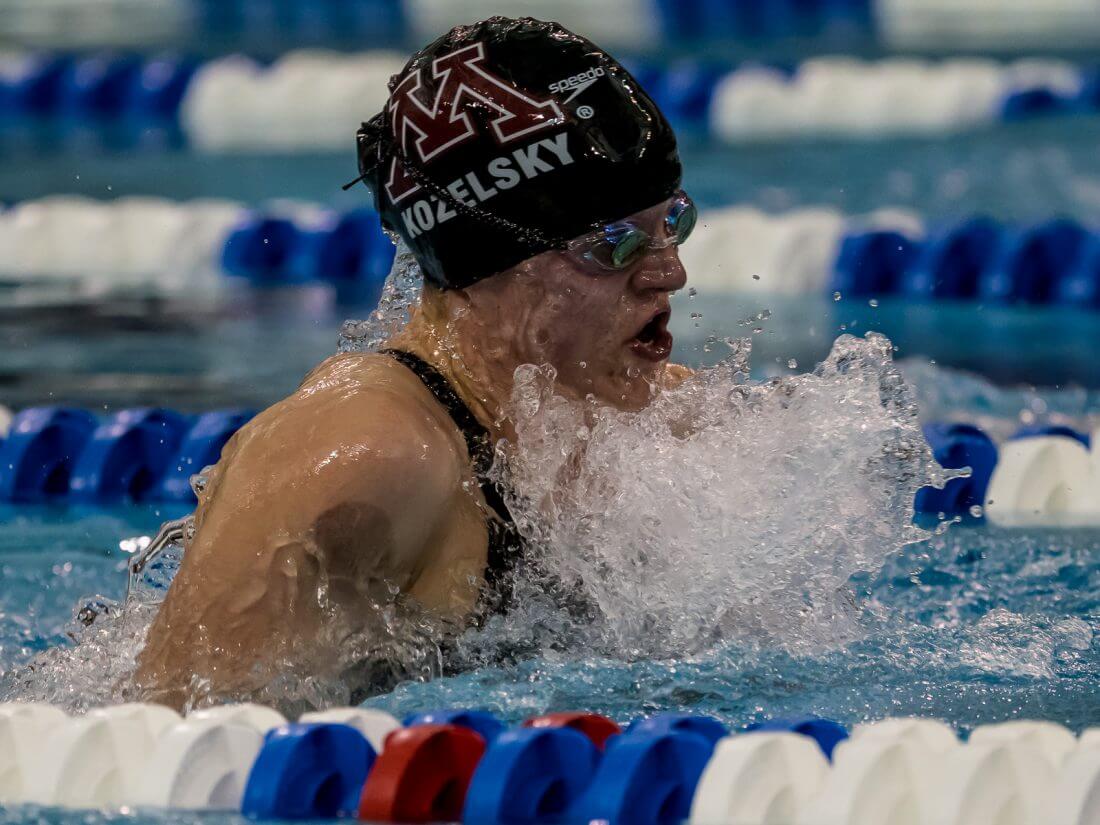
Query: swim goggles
x=619, y=245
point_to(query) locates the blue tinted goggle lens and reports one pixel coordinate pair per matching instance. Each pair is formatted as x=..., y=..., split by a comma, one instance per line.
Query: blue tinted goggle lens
x=681, y=220
x=624, y=244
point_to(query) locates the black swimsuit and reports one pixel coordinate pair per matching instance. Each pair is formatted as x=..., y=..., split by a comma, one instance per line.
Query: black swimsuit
x=505, y=545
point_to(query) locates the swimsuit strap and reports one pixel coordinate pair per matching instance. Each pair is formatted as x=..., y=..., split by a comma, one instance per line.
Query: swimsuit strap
x=503, y=541
x=478, y=443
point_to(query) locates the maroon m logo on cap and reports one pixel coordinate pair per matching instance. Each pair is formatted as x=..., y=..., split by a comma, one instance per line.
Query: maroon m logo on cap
x=427, y=129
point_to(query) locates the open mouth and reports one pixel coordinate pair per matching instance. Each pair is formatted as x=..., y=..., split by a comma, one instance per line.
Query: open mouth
x=653, y=341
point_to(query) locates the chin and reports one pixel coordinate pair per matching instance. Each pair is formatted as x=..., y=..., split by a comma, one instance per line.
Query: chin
x=611, y=384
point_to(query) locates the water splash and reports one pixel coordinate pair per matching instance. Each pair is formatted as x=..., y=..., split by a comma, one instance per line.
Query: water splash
x=727, y=510
x=400, y=295
x=977, y=625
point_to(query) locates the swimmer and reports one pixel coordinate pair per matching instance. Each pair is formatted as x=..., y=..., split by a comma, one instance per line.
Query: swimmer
x=539, y=188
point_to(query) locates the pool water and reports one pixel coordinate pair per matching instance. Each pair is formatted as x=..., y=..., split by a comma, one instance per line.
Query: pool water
x=974, y=624
x=977, y=625
x=104, y=358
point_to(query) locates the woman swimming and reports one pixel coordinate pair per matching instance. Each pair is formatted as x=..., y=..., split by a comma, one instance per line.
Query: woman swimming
x=539, y=188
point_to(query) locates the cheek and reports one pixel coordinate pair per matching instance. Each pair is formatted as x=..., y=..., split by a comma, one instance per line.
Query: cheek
x=583, y=323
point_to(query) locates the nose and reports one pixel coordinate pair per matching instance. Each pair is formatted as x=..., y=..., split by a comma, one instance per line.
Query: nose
x=661, y=270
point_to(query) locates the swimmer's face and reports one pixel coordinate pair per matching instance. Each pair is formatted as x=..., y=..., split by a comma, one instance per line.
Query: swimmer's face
x=603, y=330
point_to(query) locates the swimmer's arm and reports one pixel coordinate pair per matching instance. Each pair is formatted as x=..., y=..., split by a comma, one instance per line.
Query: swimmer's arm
x=319, y=493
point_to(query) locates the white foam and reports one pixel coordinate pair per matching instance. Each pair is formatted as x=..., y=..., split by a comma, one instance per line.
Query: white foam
x=747, y=526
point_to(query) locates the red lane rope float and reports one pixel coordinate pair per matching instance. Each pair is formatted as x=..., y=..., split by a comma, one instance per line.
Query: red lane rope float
x=597, y=728
x=422, y=775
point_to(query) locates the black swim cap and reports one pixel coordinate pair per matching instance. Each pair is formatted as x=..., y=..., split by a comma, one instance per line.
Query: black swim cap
x=507, y=138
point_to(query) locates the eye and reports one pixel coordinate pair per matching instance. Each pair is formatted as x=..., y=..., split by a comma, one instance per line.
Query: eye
x=628, y=247
x=681, y=220
x=620, y=246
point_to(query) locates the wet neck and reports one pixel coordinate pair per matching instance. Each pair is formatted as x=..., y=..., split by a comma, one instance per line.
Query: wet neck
x=453, y=347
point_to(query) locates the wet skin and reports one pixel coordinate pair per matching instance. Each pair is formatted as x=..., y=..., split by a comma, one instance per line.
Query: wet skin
x=358, y=486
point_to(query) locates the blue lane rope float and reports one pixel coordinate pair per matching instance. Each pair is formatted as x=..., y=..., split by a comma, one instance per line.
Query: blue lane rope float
x=1031, y=263
x=762, y=21
x=950, y=261
x=62, y=455
x=956, y=446
x=308, y=771
x=1079, y=285
x=531, y=775
x=872, y=263
x=127, y=456
x=38, y=455
x=261, y=249
x=644, y=778
x=1054, y=262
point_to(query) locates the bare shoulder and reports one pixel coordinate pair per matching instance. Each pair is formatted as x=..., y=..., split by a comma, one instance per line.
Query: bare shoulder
x=359, y=427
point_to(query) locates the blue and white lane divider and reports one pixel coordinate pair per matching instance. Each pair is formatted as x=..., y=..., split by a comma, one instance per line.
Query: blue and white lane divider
x=189, y=248
x=313, y=101
x=618, y=23
x=892, y=253
x=1042, y=475
x=355, y=762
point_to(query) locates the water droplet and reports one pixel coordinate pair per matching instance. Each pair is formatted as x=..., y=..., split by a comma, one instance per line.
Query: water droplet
x=873, y=303
x=976, y=511
x=583, y=365
x=792, y=364
x=836, y=296
x=756, y=277
x=692, y=292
